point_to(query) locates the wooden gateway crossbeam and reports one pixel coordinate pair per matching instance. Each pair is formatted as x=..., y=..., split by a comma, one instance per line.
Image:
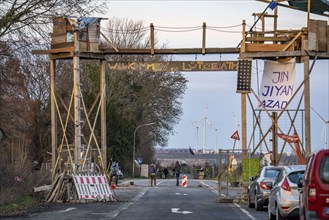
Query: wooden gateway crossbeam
x=174, y=66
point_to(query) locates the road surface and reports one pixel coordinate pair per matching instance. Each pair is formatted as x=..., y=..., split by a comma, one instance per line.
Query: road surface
x=164, y=201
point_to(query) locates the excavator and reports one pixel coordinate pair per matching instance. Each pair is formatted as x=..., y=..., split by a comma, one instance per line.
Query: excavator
x=319, y=7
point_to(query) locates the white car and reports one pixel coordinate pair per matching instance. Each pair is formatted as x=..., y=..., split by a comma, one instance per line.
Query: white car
x=284, y=195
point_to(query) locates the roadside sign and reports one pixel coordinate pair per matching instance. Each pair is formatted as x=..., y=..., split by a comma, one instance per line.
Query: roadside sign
x=235, y=136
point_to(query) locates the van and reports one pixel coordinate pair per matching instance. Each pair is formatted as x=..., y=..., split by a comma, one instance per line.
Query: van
x=314, y=197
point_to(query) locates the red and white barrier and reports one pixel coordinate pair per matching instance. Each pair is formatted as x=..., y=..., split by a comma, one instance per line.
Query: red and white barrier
x=184, y=181
x=93, y=187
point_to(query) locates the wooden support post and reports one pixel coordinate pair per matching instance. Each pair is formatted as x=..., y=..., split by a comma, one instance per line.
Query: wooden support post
x=77, y=103
x=152, y=38
x=275, y=139
x=307, y=107
x=53, y=117
x=244, y=124
x=103, y=111
x=204, y=26
x=275, y=22
x=308, y=14
x=243, y=43
x=244, y=100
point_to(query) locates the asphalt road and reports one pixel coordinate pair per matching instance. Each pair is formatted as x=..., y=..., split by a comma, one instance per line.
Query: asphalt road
x=164, y=201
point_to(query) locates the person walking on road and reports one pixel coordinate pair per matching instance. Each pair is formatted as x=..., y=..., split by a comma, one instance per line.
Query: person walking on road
x=177, y=172
x=152, y=174
x=113, y=172
x=165, y=172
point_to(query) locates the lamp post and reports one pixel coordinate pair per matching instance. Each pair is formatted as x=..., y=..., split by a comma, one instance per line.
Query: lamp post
x=135, y=143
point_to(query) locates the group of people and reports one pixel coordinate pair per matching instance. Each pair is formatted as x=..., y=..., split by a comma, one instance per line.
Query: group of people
x=152, y=173
x=152, y=170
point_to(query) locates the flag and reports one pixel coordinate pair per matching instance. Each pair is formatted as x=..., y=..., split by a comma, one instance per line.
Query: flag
x=191, y=151
x=273, y=5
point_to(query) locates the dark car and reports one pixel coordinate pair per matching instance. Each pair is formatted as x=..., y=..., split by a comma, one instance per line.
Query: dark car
x=258, y=189
x=314, y=198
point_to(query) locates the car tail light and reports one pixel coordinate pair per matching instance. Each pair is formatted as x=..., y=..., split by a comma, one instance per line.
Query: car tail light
x=312, y=192
x=285, y=207
x=263, y=185
x=285, y=185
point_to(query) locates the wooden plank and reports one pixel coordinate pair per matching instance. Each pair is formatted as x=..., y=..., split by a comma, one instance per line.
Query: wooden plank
x=93, y=47
x=58, y=39
x=59, y=29
x=273, y=32
x=327, y=38
x=269, y=55
x=62, y=45
x=83, y=46
x=276, y=39
x=312, y=35
x=292, y=41
x=57, y=34
x=60, y=50
x=264, y=47
x=62, y=55
x=322, y=36
x=231, y=50
x=174, y=66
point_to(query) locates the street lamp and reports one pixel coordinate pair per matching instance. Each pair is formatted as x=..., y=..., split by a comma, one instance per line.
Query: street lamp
x=135, y=143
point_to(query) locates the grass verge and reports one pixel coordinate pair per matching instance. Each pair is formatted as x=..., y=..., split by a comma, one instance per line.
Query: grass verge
x=18, y=207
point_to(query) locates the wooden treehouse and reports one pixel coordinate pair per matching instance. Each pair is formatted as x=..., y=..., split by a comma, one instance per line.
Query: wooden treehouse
x=307, y=43
x=83, y=153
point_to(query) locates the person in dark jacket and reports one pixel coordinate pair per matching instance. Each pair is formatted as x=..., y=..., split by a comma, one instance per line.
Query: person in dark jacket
x=177, y=172
x=165, y=172
x=152, y=174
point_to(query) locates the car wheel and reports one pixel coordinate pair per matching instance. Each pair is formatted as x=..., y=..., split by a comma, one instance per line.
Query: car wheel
x=258, y=207
x=250, y=205
x=278, y=215
x=270, y=215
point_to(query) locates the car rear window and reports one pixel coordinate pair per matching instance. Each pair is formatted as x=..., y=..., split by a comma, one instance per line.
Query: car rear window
x=293, y=177
x=271, y=173
x=324, y=170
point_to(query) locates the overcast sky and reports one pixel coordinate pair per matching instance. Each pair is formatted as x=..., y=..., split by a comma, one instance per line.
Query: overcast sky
x=216, y=91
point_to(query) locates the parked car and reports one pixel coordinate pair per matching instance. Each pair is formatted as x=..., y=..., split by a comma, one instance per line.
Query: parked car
x=314, y=198
x=258, y=189
x=284, y=195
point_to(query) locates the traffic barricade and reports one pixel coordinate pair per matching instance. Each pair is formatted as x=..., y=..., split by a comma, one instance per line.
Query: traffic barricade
x=184, y=181
x=93, y=187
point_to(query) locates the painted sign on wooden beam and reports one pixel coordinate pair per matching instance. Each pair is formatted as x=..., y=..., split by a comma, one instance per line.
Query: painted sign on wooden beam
x=174, y=66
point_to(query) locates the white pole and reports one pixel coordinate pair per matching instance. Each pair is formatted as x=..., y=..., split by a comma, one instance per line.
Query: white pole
x=204, y=135
x=197, y=139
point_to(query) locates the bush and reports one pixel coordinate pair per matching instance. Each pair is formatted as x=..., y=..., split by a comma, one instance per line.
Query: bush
x=17, y=182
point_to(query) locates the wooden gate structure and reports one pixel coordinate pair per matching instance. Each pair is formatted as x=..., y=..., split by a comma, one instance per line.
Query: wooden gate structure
x=74, y=42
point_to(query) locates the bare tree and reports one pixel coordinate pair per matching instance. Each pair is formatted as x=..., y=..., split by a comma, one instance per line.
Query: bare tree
x=140, y=97
x=30, y=18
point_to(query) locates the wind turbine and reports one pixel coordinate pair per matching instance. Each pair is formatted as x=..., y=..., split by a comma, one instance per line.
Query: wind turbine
x=206, y=123
x=324, y=131
x=196, y=123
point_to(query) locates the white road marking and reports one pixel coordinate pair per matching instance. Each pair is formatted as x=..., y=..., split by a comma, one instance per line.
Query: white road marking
x=67, y=210
x=175, y=210
x=245, y=212
x=125, y=206
x=183, y=194
x=212, y=189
